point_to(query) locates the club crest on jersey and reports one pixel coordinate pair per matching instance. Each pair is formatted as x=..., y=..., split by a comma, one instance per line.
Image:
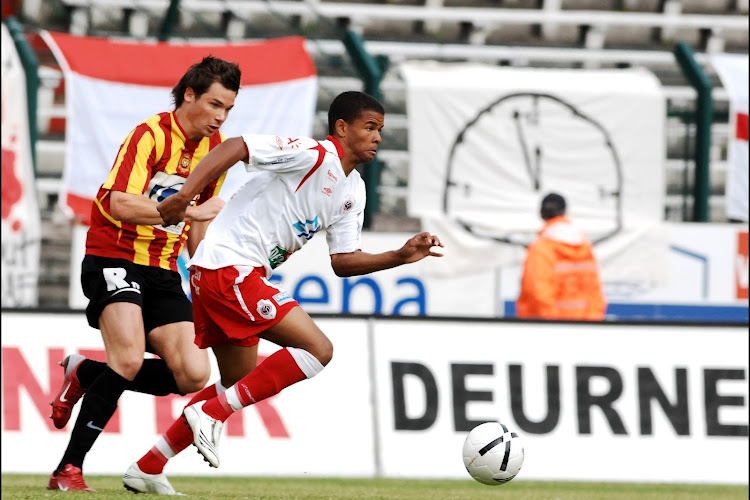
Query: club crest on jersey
x=266, y=309
x=183, y=167
x=348, y=203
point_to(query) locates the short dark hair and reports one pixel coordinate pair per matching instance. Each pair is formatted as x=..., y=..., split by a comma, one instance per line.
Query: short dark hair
x=553, y=205
x=200, y=76
x=349, y=106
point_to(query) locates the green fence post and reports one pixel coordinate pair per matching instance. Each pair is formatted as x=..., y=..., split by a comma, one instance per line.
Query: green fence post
x=170, y=20
x=371, y=70
x=703, y=117
x=31, y=68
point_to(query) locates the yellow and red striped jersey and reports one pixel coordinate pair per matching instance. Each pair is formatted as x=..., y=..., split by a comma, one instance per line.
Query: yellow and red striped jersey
x=153, y=161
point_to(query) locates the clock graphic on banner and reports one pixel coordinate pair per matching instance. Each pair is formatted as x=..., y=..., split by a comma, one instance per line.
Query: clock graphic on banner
x=520, y=147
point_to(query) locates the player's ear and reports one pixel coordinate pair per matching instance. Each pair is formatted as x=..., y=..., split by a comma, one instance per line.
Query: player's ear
x=341, y=127
x=189, y=94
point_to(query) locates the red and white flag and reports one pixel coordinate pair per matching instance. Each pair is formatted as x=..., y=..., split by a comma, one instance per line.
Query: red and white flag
x=112, y=85
x=21, y=225
x=733, y=71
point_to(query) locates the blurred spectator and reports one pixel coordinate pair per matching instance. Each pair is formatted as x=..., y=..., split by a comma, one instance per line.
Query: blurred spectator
x=561, y=275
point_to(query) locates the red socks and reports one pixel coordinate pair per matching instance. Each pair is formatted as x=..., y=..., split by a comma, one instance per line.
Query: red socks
x=276, y=372
x=177, y=438
x=152, y=462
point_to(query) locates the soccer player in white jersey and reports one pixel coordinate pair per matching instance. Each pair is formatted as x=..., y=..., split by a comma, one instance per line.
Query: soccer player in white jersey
x=298, y=186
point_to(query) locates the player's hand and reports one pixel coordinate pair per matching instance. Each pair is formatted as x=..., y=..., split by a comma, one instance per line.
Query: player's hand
x=205, y=211
x=421, y=246
x=172, y=209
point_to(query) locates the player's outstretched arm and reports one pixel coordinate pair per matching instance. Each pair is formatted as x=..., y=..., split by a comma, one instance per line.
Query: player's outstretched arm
x=358, y=263
x=215, y=163
x=133, y=208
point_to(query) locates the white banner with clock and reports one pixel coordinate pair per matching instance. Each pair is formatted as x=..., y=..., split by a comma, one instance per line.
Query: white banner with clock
x=487, y=143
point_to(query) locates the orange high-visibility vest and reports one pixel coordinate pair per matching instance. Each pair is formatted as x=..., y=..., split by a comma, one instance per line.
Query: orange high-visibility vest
x=561, y=276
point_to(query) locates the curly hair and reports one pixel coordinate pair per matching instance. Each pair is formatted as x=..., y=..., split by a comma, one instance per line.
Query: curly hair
x=349, y=106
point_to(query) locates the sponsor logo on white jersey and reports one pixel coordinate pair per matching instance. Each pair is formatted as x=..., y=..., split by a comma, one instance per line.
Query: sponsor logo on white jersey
x=276, y=161
x=278, y=256
x=308, y=228
x=162, y=186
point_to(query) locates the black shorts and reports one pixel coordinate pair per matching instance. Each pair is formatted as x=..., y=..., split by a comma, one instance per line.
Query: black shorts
x=157, y=291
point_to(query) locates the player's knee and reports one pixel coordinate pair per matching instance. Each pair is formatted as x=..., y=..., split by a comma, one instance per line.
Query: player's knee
x=324, y=351
x=193, y=377
x=192, y=385
x=126, y=366
x=309, y=362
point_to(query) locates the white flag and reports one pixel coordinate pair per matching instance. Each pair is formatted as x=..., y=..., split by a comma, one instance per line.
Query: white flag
x=733, y=71
x=21, y=224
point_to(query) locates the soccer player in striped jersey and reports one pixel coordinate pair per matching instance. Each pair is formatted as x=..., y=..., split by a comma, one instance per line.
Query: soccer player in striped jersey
x=129, y=272
x=297, y=187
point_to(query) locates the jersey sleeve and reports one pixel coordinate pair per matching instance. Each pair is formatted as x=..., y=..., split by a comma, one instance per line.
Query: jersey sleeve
x=279, y=154
x=131, y=171
x=345, y=235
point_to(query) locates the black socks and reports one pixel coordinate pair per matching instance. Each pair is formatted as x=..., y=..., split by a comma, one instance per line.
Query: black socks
x=97, y=407
x=153, y=378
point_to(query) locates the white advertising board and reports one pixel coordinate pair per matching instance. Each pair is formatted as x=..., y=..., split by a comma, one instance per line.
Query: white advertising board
x=289, y=434
x=404, y=290
x=707, y=267
x=614, y=403
x=591, y=402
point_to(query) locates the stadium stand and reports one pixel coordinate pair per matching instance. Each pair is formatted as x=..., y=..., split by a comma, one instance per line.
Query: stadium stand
x=550, y=33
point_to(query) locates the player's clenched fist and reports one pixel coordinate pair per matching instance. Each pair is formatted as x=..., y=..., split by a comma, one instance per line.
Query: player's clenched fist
x=173, y=209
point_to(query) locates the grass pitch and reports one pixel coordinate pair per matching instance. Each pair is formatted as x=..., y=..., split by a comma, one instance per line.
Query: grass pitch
x=32, y=487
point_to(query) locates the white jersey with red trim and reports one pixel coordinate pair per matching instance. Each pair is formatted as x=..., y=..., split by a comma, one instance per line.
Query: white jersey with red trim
x=296, y=188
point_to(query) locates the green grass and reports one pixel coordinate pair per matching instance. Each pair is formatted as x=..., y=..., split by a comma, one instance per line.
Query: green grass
x=32, y=487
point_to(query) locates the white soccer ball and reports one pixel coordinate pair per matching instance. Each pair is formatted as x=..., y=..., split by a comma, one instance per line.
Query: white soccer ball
x=493, y=454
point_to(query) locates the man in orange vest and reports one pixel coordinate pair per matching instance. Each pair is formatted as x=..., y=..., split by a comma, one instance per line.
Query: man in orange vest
x=561, y=275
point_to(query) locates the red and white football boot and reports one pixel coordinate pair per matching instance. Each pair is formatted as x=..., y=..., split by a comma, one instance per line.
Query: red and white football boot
x=70, y=392
x=68, y=479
